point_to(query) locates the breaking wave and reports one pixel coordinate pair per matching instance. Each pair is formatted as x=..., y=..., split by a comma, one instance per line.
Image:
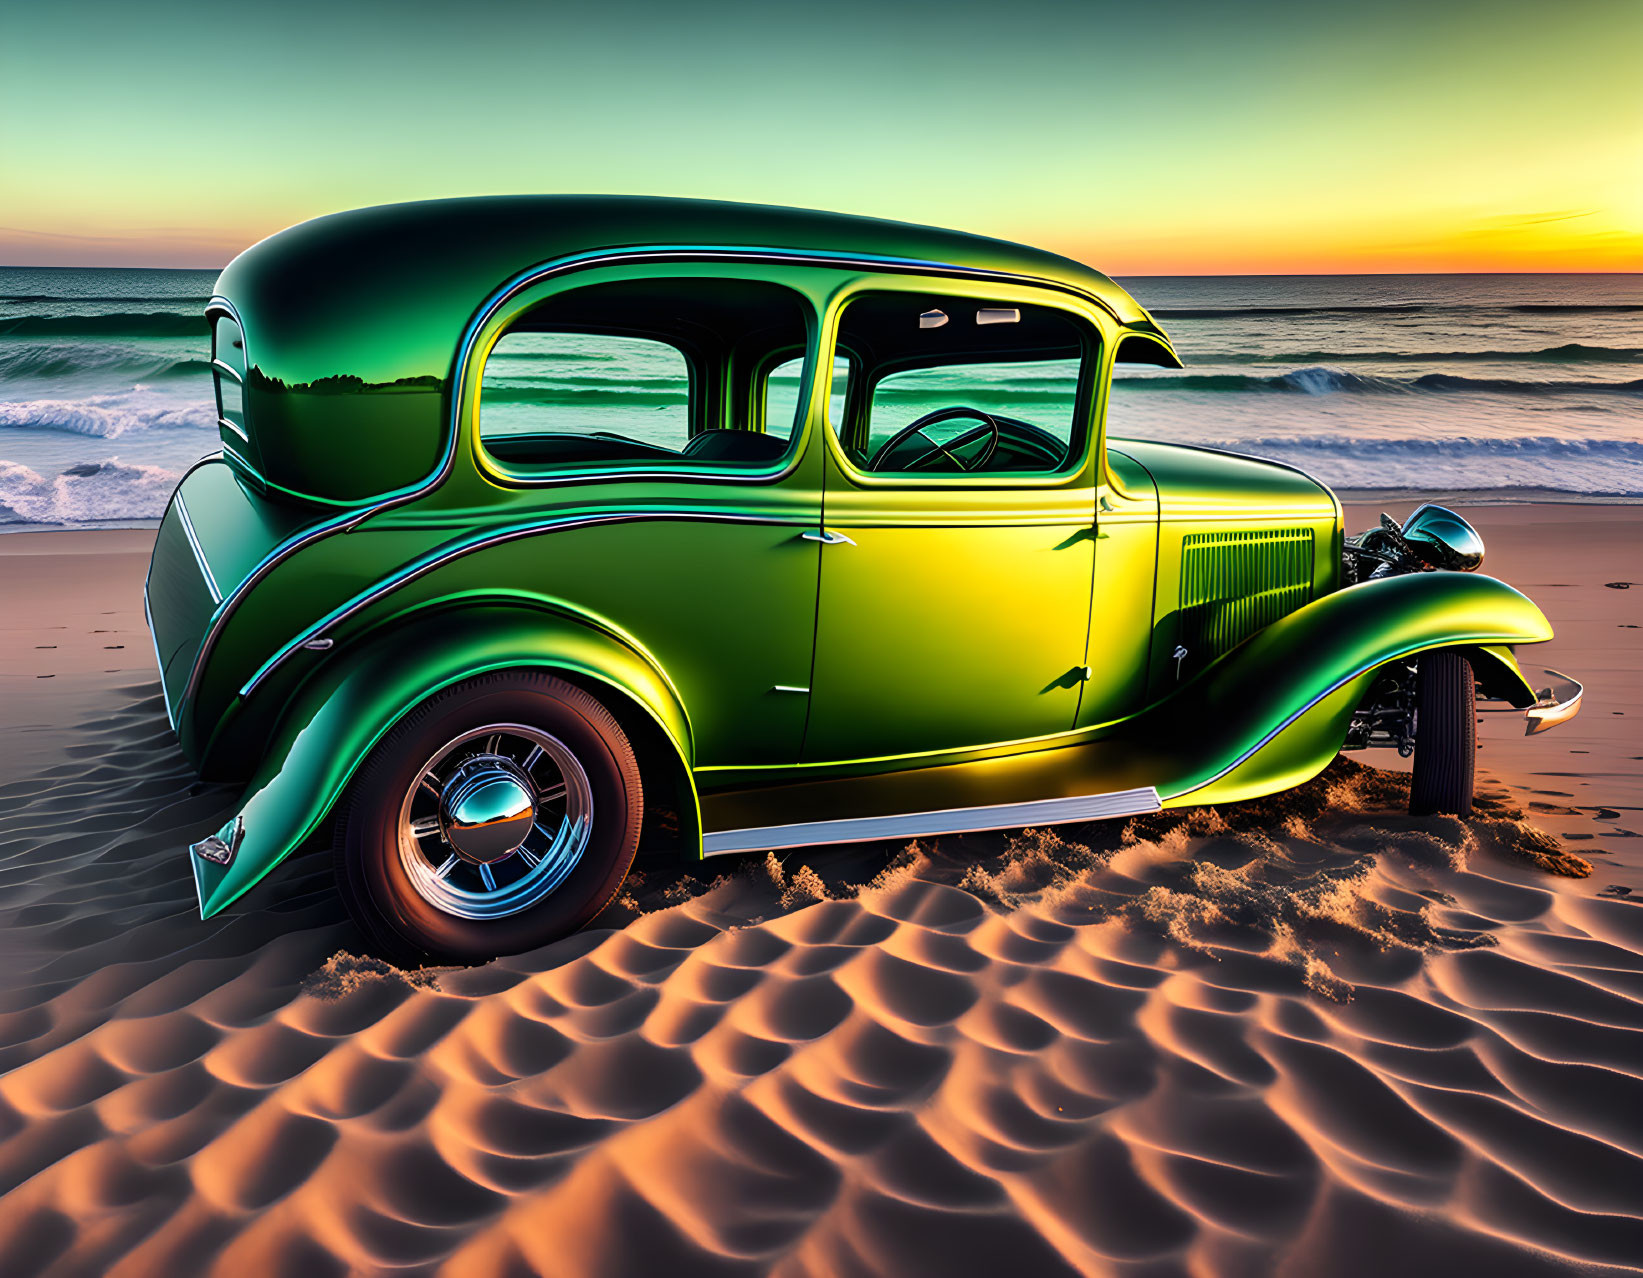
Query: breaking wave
x=105, y=416
x=124, y=324
x=1569, y=353
x=60, y=360
x=1401, y=308
x=1322, y=380
x=1547, y=447
x=128, y=298
x=1589, y=467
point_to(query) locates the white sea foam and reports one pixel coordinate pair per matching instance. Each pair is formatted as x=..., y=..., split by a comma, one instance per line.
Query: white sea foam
x=85, y=493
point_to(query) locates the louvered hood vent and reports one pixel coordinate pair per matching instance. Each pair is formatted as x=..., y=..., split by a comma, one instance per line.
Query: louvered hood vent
x=1236, y=583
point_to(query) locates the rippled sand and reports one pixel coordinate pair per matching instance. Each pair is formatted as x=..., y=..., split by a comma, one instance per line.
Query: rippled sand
x=1307, y=1035
x=1309, y=1032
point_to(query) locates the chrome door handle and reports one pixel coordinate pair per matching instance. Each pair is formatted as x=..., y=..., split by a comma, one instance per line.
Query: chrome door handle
x=826, y=536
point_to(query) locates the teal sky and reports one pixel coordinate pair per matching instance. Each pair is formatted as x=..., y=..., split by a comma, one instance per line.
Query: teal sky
x=1185, y=137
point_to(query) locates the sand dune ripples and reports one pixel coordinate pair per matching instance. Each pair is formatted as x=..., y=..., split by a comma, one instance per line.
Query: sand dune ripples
x=1311, y=1034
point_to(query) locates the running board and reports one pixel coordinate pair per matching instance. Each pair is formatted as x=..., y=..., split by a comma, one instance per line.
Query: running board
x=920, y=825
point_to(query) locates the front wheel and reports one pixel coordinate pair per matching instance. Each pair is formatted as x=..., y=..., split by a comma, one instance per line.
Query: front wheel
x=499, y=815
x=1446, y=734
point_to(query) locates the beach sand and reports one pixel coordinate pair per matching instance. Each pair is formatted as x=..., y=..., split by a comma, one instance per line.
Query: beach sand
x=1307, y=1035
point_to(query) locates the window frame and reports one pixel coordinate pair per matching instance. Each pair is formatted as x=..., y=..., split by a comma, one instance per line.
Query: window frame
x=500, y=324
x=232, y=367
x=1088, y=406
x=759, y=387
x=761, y=380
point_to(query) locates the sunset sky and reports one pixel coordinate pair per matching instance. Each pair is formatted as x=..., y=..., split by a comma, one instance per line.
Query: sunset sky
x=1184, y=138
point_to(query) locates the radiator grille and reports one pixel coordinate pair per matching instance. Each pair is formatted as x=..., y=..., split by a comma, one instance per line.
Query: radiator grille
x=1235, y=583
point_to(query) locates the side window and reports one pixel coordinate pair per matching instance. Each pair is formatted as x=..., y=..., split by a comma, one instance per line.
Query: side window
x=648, y=374
x=964, y=386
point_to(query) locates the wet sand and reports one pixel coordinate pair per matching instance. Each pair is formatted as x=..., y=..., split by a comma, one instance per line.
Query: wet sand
x=1308, y=1035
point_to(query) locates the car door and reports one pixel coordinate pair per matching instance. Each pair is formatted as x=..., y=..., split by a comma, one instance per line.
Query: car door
x=954, y=596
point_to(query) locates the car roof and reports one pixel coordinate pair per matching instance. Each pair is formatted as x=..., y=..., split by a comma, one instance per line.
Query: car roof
x=385, y=293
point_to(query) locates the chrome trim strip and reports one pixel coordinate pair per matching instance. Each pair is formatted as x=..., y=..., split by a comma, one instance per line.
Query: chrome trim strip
x=1548, y=712
x=229, y=453
x=199, y=554
x=440, y=557
x=223, y=421
x=154, y=642
x=349, y=520
x=229, y=368
x=918, y=825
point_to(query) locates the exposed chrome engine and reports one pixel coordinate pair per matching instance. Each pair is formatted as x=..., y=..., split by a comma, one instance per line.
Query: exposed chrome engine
x=1434, y=537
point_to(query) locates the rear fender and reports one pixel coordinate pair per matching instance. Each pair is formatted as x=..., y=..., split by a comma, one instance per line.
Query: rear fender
x=348, y=704
x=1273, y=712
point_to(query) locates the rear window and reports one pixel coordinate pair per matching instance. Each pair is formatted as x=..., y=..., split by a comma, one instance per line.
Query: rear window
x=228, y=372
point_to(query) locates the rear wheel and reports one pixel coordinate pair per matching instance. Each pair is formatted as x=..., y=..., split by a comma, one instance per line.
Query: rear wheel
x=1446, y=727
x=499, y=815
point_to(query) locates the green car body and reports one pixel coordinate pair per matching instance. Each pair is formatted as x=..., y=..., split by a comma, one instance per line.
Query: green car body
x=801, y=650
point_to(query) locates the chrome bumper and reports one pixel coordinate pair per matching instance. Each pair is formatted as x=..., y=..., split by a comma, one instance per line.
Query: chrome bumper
x=1555, y=705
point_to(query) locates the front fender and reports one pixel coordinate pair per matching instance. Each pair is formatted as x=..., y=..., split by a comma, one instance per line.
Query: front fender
x=1274, y=711
x=346, y=706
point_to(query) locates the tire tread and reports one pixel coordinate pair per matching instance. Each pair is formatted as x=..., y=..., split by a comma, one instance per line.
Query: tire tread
x=1445, y=734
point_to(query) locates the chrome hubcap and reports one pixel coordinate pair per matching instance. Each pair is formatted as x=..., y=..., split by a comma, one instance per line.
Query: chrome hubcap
x=486, y=809
x=495, y=822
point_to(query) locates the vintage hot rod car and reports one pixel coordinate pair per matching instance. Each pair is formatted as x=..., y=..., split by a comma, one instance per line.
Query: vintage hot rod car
x=542, y=525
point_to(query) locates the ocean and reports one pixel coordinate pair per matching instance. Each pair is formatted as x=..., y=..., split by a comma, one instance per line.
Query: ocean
x=1501, y=387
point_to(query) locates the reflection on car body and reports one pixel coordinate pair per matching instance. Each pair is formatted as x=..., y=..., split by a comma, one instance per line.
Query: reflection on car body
x=544, y=525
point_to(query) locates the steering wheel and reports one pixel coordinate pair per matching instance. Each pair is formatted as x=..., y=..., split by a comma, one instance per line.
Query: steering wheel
x=989, y=427
x=1024, y=437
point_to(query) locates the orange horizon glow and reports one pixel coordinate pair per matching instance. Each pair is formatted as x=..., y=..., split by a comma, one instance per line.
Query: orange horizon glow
x=1276, y=137
x=1545, y=244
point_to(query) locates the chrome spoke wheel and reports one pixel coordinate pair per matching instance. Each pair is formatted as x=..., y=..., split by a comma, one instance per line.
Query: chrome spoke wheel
x=495, y=821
